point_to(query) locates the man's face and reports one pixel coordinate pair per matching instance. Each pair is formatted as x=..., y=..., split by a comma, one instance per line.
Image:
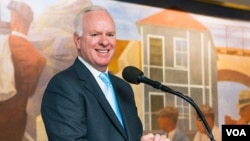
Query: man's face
x=163, y=122
x=98, y=43
x=200, y=125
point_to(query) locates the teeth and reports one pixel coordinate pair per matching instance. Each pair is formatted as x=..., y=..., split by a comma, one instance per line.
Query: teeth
x=103, y=51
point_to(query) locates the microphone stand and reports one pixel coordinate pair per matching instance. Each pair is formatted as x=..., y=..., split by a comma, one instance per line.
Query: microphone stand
x=164, y=88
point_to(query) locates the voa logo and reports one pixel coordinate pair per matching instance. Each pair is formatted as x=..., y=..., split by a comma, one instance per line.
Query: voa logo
x=236, y=132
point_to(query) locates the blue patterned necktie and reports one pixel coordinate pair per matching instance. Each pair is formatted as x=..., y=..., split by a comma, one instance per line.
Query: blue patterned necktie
x=110, y=95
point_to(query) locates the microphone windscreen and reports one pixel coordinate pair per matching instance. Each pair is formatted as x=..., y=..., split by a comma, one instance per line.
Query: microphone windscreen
x=131, y=74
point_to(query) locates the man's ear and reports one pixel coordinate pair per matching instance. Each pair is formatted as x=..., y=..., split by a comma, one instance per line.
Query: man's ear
x=76, y=40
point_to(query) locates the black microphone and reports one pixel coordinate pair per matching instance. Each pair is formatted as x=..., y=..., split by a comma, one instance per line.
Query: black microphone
x=135, y=76
x=131, y=74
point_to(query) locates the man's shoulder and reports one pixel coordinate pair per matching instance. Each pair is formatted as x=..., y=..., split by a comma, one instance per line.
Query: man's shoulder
x=66, y=73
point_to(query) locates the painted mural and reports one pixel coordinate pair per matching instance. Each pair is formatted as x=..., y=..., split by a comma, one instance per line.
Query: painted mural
x=206, y=58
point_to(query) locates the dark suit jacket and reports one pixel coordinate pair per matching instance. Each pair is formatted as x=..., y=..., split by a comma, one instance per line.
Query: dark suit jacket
x=74, y=108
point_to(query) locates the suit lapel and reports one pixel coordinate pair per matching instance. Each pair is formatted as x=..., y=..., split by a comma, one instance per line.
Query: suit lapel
x=88, y=81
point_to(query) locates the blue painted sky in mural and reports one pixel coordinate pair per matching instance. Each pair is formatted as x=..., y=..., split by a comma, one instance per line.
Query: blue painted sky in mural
x=37, y=5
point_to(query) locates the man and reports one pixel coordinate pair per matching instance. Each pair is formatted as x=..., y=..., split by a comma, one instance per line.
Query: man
x=201, y=134
x=75, y=107
x=28, y=64
x=244, y=107
x=167, y=119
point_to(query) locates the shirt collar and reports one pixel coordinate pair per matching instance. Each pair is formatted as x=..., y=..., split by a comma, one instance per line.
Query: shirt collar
x=94, y=71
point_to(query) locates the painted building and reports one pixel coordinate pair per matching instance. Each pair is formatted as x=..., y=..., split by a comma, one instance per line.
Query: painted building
x=179, y=52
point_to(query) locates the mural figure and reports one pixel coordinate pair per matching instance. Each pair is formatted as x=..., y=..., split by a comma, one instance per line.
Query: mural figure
x=201, y=134
x=28, y=64
x=167, y=119
x=244, y=107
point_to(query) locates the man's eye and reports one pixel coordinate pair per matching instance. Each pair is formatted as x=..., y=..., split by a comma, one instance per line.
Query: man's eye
x=111, y=35
x=94, y=34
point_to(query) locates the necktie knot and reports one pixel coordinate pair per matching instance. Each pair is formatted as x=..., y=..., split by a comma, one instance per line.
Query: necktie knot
x=105, y=78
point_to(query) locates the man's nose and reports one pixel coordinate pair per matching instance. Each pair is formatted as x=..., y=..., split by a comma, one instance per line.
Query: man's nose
x=104, y=40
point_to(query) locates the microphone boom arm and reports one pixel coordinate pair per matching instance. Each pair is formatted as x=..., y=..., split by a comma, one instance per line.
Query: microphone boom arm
x=164, y=88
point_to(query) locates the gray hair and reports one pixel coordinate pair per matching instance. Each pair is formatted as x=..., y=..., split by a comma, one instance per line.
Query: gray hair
x=78, y=19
